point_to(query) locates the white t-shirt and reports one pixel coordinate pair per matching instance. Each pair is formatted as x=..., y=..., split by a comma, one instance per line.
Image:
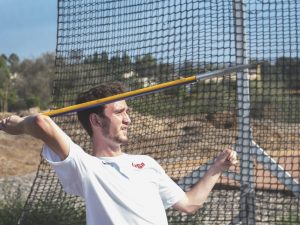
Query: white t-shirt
x=122, y=190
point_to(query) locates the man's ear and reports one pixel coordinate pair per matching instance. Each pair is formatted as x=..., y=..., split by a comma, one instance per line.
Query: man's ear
x=95, y=120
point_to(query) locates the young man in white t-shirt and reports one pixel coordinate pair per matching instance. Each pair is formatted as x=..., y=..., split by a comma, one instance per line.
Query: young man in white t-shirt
x=118, y=188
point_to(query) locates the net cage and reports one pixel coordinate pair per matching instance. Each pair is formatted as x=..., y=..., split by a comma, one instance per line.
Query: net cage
x=143, y=43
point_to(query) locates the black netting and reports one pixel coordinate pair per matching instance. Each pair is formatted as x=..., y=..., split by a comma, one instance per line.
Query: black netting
x=143, y=43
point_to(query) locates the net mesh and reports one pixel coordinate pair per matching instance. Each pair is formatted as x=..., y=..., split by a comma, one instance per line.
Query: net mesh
x=142, y=43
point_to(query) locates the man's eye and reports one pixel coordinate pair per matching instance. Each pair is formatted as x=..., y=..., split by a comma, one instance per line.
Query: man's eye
x=122, y=111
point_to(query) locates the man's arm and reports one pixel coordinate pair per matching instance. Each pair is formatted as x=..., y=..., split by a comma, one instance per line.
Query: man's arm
x=198, y=194
x=41, y=127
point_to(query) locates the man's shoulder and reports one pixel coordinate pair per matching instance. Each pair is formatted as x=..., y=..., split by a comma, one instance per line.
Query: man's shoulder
x=80, y=152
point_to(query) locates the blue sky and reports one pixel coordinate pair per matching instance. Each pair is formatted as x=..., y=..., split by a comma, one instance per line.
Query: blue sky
x=27, y=27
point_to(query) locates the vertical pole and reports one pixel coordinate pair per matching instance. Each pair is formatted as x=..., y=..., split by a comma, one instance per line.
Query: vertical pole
x=243, y=147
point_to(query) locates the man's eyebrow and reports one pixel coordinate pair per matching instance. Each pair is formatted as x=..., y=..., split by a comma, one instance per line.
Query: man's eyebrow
x=127, y=109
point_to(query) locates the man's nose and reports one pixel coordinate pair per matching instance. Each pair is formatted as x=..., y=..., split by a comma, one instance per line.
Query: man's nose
x=127, y=119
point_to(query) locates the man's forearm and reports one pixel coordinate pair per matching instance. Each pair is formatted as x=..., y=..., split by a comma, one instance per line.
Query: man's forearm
x=30, y=126
x=199, y=193
x=16, y=125
x=34, y=125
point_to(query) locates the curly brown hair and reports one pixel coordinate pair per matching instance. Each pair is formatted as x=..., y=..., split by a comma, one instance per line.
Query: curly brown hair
x=98, y=92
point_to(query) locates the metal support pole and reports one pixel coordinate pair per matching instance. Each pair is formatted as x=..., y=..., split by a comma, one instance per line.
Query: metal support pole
x=243, y=146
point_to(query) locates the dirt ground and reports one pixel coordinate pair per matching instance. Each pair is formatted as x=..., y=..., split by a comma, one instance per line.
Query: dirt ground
x=19, y=155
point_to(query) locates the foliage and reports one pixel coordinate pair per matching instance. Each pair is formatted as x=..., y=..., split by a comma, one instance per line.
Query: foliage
x=45, y=213
x=284, y=72
x=289, y=68
x=291, y=219
x=26, y=83
x=49, y=213
x=11, y=205
x=5, y=82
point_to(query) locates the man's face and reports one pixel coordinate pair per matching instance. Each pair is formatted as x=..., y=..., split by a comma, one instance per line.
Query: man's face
x=115, y=124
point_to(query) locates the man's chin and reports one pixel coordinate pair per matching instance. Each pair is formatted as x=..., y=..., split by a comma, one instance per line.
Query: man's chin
x=123, y=140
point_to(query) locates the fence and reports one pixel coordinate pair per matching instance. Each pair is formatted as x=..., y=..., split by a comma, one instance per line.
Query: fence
x=143, y=43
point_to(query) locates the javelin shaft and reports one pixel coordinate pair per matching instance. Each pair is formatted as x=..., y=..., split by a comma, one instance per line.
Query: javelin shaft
x=216, y=73
x=144, y=91
x=122, y=96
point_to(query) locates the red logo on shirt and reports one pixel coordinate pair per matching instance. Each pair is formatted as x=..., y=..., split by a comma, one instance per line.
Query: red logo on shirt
x=138, y=165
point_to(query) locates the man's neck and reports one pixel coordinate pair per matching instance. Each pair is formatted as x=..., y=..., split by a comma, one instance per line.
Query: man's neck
x=106, y=153
x=102, y=148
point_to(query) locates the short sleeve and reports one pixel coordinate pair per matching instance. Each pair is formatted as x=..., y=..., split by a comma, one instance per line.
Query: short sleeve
x=169, y=191
x=69, y=171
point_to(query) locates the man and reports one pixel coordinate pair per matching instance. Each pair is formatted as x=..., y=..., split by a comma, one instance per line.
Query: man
x=118, y=188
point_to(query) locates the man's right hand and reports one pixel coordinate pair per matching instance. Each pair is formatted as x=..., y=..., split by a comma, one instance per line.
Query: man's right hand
x=12, y=125
x=41, y=127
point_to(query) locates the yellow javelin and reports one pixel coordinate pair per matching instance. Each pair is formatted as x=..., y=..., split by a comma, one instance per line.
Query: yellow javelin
x=144, y=91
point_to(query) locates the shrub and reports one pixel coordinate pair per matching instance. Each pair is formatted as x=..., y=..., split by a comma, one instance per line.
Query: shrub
x=11, y=203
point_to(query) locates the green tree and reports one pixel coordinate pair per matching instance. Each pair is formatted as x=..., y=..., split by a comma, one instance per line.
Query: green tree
x=189, y=68
x=126, y=63
x=289, y=68
x=14, y=61
x=6, y=81
x=146, y=66
x=115, y=68
x=33, y=82
x=104, y=58
x=165, y=71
